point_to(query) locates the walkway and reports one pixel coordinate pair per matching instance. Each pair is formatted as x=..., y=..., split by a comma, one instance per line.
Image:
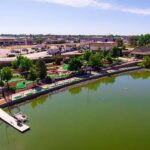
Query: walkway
x=46, y=86
x=13, y=122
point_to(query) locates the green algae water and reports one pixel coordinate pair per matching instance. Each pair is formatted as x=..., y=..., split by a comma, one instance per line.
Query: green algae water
x=109, y=114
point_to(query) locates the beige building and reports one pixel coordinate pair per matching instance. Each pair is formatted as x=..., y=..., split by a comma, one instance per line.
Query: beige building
x=8, y=41
x=102, y=46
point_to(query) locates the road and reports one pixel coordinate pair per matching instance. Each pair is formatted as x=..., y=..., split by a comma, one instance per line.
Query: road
x=35, y=56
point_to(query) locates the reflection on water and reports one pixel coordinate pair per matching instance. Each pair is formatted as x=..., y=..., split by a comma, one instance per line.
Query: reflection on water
x=109, y=81
x=94, y=86
x=143, y=75
x=75, y=90
x=38, y=101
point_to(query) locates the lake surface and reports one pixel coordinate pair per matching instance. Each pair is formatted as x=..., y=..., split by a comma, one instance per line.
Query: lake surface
x=109, y=114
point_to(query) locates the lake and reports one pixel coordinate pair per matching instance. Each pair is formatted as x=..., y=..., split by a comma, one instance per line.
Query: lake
x=109, y=114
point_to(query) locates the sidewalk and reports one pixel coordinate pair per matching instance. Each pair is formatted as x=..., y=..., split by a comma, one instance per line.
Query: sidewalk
x=46, y=86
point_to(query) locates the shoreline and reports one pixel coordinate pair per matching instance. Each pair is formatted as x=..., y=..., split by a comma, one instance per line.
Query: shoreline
x=64, y=87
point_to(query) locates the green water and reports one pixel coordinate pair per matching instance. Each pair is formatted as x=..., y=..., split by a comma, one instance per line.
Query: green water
x=110, y=114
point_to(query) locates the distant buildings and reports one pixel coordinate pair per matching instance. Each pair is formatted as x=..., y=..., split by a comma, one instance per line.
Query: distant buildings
x=54, y=40
x=98, y=43
x=97, y=39
x=104, y=46
x=65, y=43
x=53, y=50
x=40, y=47
x=61, y=40
x=8, y=41
x=62, y=48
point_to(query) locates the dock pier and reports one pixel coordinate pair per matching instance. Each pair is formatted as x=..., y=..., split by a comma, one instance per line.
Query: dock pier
x=12, y=121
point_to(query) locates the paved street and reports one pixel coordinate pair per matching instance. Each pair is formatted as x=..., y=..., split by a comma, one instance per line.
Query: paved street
x=35, y=56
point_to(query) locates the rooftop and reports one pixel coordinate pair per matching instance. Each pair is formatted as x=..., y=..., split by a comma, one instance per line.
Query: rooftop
x=145, y=50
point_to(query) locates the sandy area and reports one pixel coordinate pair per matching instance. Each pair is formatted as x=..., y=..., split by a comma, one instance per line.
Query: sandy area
x=4, y=52
x=17, y=47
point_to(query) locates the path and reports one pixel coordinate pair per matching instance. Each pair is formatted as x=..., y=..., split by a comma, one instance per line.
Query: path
x=12, y=121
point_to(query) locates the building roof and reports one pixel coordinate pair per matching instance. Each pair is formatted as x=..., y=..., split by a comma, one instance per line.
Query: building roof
x=7, y=38
x=52, y=51
x=145, y=50
x=40, y=46
x=102, y=43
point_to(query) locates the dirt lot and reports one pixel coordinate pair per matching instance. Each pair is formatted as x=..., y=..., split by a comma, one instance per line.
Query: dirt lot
x=4, y=52
x=17, y=47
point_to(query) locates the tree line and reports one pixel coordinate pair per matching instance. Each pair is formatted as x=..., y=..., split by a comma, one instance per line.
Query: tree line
x=26, y=67
x=95, y=60
x=138, y=41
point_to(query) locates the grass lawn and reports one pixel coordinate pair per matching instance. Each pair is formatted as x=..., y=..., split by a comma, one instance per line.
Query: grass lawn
x=65, y=67
x=22, y=85
x=15, y=79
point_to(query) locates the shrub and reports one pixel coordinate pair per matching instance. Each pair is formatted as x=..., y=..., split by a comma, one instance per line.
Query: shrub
x=75, y=64
x=12, y=89
x=48, y=80
x=146, y=62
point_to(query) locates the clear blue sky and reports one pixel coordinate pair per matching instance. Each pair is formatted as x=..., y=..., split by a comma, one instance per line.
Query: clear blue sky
x=124, y=17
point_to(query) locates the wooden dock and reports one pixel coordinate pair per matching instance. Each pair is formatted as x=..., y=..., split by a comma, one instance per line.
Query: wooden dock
x=12, y=121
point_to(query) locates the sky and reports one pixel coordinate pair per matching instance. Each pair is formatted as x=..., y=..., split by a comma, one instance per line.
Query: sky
x=90, y=17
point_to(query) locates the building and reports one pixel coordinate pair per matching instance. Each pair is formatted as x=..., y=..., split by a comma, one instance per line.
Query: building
x=55, y=41
x=53, y=50
x=140, y=52
x=40, y=47
x=88, y=40
x=102, y=46
x=70, y=47
x=9, y=41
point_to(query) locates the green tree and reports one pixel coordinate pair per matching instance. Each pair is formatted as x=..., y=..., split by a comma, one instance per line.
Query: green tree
x=144, y=40
x=95, y=61
x=133, y=41
x=6, y=74
x=119, y=42
x=39, y=40
x=109, y=59
x=33, y=74
x=87, y=54
x=25, y=64
x=41, y=67
x=75, y=64
x=116, y=52
x=19, y=59
x=22, y=63
x=14, y=64
x=105, y=54
x=146, y=62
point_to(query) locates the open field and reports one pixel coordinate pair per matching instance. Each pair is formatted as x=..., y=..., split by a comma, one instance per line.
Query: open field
x=4, y=52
